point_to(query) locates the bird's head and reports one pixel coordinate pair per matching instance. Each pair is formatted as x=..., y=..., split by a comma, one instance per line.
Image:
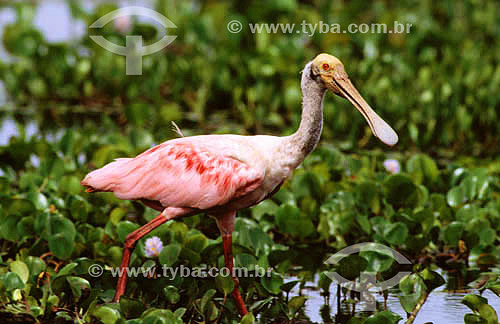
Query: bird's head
x=329, y=71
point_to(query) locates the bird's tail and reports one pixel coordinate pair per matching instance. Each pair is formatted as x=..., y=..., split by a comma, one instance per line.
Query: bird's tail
x=107, y=177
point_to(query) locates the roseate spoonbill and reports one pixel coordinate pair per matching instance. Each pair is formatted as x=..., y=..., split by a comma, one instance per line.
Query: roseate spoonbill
x=221, y=174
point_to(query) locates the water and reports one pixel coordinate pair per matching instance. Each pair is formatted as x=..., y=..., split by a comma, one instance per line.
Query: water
x=441, y=307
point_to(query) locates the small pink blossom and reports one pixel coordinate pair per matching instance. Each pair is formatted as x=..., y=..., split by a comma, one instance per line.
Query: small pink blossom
x=392, y=166
x=153, y=247
x=123, y=24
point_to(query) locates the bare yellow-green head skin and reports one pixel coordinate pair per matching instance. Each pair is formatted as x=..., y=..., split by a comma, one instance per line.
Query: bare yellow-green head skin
x=331, y=72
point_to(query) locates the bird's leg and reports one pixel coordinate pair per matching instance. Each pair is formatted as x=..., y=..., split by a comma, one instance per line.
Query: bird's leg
x=225, y=222
x=131, y=240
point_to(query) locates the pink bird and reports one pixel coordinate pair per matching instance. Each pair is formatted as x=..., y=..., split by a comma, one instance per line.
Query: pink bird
x=221, y=174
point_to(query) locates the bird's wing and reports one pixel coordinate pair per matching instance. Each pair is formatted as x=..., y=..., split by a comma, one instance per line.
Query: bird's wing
x=184, y=172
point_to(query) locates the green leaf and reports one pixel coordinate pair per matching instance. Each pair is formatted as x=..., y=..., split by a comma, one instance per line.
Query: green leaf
x=11, y=281
x=474, y=302
x=207, y=297
x=77, y=284
x=248, y=319
x=21, y=269
x=225, y=284
x=117, y=214
x=172, y=294
x=351, y=266
x=423, y=169
x=401, y=191
x=290, y=220
x=197, y=242
x=412, y=290
x=107, y=315
x=170, y=254
x=396, y=233
x=131, y=307
x=432, y=279
x=474, y=319
x=377, y=261
x=296, y=303
x=124, y=228
x=38, y=199
x=456, y=196
x=453, y=233
x=61, y=245
x=384, y=317
x=272, y=283
x=67, y=269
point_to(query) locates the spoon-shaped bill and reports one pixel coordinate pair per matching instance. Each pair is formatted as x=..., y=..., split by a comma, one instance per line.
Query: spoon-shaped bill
x=378, y=126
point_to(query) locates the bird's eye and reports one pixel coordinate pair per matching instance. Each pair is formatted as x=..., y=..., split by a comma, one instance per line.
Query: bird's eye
x=326, y=66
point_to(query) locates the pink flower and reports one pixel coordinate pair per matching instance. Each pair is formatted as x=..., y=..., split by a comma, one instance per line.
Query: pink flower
x=153, y=247
x=392, y=166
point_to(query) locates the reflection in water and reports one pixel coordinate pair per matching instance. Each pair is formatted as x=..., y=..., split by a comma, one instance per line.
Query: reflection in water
x=441, y=307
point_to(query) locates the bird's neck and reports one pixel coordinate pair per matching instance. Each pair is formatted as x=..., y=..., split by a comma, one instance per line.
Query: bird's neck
x=303, y=141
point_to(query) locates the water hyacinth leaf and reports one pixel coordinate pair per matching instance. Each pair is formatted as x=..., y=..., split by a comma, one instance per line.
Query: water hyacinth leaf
x=197, y=242
x=265, y=207
x=206, y=300
x=423, y=169
x=77, y=284
x=224, y=284
x=412, y=290
x=61, y=245
x=287, y=286
x=456, y=196
x=20, y=207
x=21, y=269
x=377, y=262
x=117, y=214
x=453, y=233
x=272, y=283
x=356, y=320
x=487, y=236
x=474, y=319
x=67, y=269
x=384, y=317
x=474, y=302
x=367, y=194
x=35, y=265
x=62, y=225
x=401, y=191
x=79, y=208
x=306, y=185
x=11, y=281
x=8, y=228
x=172, y=294
x=192, y=256
x=248, y=319
x=38, y=199
x=124, y=228
x=432, y=279
x=351, y=266
x=296, y=302
x=107, y=314
x=131, y=307
x=290, y=220
x=396, y=233
x=70, y=184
